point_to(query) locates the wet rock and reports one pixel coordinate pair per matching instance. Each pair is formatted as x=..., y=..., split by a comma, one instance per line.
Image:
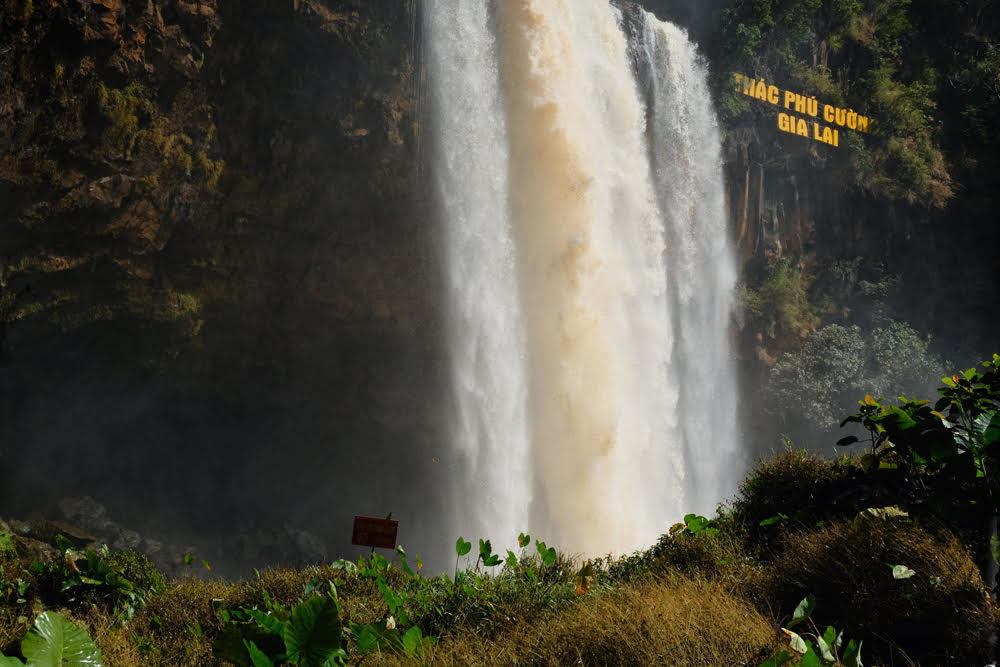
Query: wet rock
x=47, y=531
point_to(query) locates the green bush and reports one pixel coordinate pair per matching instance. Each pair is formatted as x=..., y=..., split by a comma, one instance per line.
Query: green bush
x=821, y=381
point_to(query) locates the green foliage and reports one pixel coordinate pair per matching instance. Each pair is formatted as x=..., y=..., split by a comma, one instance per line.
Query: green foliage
x=961, y=445
x=308, y=633
x=818, y=381
x=865, y=56
x=828, y=646
x=124, y=108
x=6, y=543
x=54, y=641
x=122, y=582
x=783, y=298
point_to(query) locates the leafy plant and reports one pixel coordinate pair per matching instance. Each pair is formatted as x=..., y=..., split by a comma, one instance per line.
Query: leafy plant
x=54, y=641
x=828, y=648
x=309, y=633
x=966, y=437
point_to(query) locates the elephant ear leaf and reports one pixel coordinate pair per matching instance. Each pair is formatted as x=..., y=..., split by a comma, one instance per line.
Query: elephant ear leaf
x=54, y=641
x=991, y=433
x=314, y=632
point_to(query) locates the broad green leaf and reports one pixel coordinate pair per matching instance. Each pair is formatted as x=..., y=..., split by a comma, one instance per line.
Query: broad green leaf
x=523, y=540
x=269, y=622
x=825, y=651
x=902, y=572
x=803, y=611
x=10, y=662
x=809, y=658
x=411, y=641
x=257, y=657
x=852, y=654
x=462, y=547
x=314, y=632
x=549, y=557
x=992, y=432
x=796, y=642
x=831, y=637
x=774, y=519
x=54, y=641
x=367, y=640
x=511, y=559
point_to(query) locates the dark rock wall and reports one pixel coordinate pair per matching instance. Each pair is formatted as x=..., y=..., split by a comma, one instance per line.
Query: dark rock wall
x=218, y=310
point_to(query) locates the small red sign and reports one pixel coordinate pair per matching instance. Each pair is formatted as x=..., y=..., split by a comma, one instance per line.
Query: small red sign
x=372, y=532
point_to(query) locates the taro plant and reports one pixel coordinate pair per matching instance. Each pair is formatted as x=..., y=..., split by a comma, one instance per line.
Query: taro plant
x=122, y=580
x=308, y=633
x=390, y=633
x=815, y=648
x=52, y=641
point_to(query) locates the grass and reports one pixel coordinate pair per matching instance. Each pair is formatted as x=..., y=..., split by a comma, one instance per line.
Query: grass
x=675, y=622
x=696, y=597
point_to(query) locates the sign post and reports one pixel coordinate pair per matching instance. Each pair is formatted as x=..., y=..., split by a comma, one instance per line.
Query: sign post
x=373, y=532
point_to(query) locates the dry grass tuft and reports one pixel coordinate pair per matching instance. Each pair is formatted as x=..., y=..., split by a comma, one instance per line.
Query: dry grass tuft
x=680, y=622
x=178, y=626
x=790, y=480
x=940, y=615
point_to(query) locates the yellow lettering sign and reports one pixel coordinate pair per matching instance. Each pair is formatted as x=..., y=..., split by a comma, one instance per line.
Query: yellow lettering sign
x=759, y=89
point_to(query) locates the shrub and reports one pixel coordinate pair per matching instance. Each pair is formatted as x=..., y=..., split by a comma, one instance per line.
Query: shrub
x=793, y=482
x=939, y=614
x=820, y=382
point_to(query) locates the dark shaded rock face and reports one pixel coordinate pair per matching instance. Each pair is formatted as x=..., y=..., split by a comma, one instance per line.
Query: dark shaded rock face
x=216, y=275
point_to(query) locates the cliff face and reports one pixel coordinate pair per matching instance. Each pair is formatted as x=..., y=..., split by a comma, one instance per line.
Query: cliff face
x=216, y=273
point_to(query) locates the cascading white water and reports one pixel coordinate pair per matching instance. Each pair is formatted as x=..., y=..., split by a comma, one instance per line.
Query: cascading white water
x=687, y=164
x=489, y=430
x=588, y=272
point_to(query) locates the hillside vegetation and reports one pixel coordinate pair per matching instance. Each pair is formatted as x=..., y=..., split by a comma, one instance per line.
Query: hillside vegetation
x=871, y=557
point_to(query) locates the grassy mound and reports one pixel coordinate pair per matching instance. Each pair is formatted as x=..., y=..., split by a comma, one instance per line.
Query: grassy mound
x=940, y=613
x=680, y=622
x=710, y=591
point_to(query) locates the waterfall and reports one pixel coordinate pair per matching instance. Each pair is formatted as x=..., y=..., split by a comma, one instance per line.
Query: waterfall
x=489, y=431
x=588, y=272
x=687, y=165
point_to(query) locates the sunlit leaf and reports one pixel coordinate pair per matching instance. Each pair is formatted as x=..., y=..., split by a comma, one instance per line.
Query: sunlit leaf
x=314, y=631
x=462, y=547
x=902, y=572
x=796, y=642
x=852, y=654
x=54, y=641
x=803, y=610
